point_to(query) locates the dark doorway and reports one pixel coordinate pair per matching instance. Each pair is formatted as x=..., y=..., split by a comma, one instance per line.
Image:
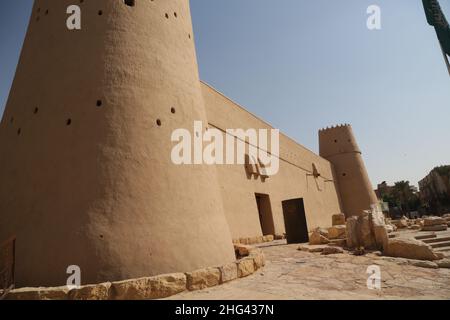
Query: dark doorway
x=295, y=221
x=265, y=214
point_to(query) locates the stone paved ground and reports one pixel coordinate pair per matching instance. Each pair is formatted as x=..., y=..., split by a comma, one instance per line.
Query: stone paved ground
x=293, y=274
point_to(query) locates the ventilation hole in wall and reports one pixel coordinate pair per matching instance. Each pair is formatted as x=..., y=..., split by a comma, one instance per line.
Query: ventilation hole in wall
x=99, y=103
x=344, y=174
x=130, y=3
x=158, y=122
x=172, y=110
x=69, y=122
x=167, y=16
x=19, y=131
x=81, y=1
x=101, y=236
x=36, y=110
x=38, y=10
x=189, y=35
x=46, y=12
x=175, y=15
x=100, y=12
x=335, y=141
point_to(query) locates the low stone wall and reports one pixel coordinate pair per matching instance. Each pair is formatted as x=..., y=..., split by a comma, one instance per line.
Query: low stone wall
x=156, y=287
x=258, y=239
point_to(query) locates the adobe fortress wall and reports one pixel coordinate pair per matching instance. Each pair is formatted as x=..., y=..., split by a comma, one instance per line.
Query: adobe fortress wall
x=294, y=179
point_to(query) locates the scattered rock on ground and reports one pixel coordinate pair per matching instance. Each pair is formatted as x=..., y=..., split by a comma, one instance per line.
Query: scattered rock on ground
x=424, y=264
x=332, y=250
x=360, y=233
x=381, y=236
x=401, y=223
x=338, y=219
x=410, y=249
x=311, y=248
x=318, y=237
x=360, y=251
x=337, y=232
x=437, y=227
x=390, y=228
x=338, y=242
x=433, y=221
x=444, y=263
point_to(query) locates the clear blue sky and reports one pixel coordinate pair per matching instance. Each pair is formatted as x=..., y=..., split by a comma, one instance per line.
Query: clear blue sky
x=303, y=65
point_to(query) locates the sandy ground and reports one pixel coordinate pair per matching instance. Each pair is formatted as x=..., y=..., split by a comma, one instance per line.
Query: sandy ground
x=293, y=274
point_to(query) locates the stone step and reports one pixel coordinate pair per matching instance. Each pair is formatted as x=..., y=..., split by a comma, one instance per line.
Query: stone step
x=436, y=240
x=441, y=244
x=443, y=249
x=426, y=236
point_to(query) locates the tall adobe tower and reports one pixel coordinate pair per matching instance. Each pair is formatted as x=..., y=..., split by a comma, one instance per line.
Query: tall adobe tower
x=86, y=176
x=338, y=145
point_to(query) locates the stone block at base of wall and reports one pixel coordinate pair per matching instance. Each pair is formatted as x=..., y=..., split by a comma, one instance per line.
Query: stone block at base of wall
x=203, y=278
x=255, y=240
x=258, y=258
x=228, y=272
x=51, y=293
x=157, y=287
x=149, y=287
x=91, y=292
x=245, y=267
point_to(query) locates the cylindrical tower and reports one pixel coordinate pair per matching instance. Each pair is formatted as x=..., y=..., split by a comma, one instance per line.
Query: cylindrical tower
x=338, y=145
x=86, y=176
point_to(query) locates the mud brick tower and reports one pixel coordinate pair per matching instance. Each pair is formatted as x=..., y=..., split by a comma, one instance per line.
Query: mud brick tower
x=86, y=174
x=338, y=145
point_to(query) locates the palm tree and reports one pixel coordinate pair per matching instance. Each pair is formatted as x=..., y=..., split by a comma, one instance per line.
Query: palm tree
x=405, y=196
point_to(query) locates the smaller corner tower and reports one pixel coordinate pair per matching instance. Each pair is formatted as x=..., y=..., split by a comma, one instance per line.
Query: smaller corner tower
x=338, y=145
